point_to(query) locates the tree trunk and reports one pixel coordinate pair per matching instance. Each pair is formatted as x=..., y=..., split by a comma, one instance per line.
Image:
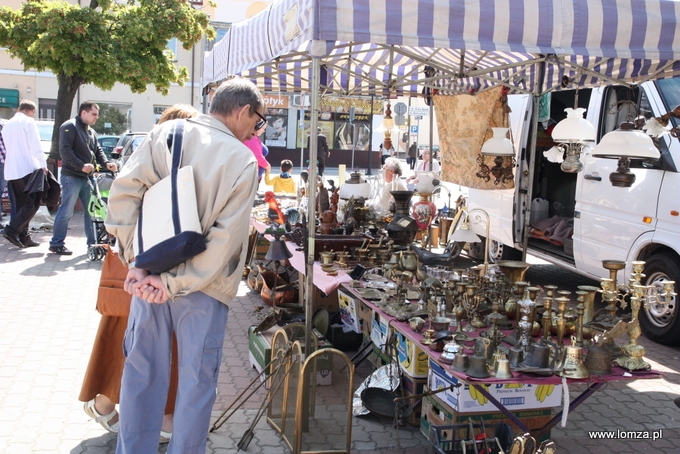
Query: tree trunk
x=68, y=87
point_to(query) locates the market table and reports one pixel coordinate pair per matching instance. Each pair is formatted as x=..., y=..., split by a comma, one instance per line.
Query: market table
x=322, y=280
x=594, y=382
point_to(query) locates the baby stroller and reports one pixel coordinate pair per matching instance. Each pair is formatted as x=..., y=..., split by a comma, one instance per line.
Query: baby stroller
x=97, y=208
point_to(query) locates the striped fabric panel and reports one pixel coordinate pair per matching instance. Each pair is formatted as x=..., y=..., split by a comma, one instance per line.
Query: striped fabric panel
x=625, y=40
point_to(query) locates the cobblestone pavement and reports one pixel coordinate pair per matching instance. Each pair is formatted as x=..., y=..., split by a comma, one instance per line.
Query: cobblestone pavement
x=48, y=323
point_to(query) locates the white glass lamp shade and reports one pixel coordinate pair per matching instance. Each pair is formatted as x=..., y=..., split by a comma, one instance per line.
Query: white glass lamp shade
x=425, y=183
x=626, y=142
x=348, y=190
x=499, y=144
x=574, y=128
x=464, y=234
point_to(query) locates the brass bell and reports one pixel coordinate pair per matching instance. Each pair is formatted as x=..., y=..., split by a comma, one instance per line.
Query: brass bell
x=461, y=362
x=572, y=363
x=478, y=367
x=502, y=370
x=515, y=357
x=598, y=360
x=538, y=356
x=278, y=251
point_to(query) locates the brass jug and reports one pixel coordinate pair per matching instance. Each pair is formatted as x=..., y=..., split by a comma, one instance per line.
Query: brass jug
x=408, y=261
x=572, y=363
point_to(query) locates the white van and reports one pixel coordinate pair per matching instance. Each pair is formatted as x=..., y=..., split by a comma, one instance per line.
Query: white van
x=641, y=222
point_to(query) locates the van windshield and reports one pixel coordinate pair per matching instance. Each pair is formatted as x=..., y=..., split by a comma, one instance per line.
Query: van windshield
x=670, y=93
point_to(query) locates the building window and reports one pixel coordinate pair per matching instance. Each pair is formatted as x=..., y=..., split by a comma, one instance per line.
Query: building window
x=46, y=108
x=157, y=112
x=171, y=47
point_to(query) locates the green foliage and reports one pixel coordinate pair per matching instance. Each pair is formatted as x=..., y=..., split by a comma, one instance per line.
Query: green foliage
x=110, y=113
x=112, y=43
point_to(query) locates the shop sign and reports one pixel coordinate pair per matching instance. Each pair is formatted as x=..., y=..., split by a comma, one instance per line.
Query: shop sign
x=9, y=98
x=275, y=101
x=342, y=105
x=423, y=111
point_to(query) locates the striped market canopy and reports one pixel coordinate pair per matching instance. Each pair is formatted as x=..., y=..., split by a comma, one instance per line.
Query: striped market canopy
x=388, y=48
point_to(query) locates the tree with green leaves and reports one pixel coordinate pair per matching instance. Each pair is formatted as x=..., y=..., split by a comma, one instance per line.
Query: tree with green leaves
x=101, y=44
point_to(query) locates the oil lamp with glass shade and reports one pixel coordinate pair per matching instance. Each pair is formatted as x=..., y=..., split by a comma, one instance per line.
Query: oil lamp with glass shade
x=572, y=134
x=500, y=147
x=624, y=144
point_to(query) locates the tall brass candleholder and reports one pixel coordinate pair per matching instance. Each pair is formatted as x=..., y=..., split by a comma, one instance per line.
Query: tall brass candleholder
x=632, y=351
x=547, y=311
x=561, y=320
x=580, y=309
x=471, y=303
x=589, y=310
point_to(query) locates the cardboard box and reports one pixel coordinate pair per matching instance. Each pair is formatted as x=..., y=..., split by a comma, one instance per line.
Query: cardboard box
x=412, y=358
x=380, y=330
x=435, y=412
x=512, y=395
x=259, y=355
x=261, y=247
x=378, y=358
x=328, y=302
x=349, y=311
x=366, y=315
x=412, y=386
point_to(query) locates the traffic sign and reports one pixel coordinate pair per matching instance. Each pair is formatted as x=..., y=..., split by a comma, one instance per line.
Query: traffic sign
x=400, y=108
x=424, y=111
x=418, y=117
x=414, y=129
x=399, y=120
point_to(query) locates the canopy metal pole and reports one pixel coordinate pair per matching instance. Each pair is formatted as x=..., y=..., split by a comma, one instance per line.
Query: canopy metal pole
x=431, y=133
x=540, y=73
x=311, y=204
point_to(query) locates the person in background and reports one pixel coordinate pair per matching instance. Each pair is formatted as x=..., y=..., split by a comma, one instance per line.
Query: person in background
x=283, y=182
x=260, y=151
x=192, y=300
x=322, y=151
x=24, y=156
x=412, y=153
x=384, y=202
x=101, y=386
x=80, y=152
x=422, y=166
x=384, y=154
x=3, y=182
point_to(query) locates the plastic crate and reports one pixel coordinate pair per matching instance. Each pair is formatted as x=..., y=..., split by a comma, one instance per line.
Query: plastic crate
x=449, y=439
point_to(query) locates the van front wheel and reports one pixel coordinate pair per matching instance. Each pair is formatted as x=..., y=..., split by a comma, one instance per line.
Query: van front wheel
x=661, y=322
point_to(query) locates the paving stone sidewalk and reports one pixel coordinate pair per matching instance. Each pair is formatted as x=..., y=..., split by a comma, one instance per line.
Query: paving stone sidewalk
x=48, y=323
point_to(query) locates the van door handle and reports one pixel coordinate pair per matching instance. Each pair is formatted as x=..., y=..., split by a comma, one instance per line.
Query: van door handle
x=577, y=214
x=592, y=177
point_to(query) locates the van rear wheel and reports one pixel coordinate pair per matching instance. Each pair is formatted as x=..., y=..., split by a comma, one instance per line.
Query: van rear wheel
x=499, y=251
x=661, y=322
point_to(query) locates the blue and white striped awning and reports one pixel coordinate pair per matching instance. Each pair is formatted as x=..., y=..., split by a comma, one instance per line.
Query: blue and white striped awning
x=383, y=47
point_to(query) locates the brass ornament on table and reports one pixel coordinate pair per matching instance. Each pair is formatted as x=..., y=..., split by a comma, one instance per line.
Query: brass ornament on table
x=588, y=332
x=572, y=363
x=580, y=309
x=478, y=367
x=547, y=311
x=461, y=362
x=598, y=360
x=502, y=370
x=633, y=352
x=561, y=303
x=470, y=302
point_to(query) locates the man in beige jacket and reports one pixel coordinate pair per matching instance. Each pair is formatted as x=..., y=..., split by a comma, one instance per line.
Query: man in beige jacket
x=191, y=299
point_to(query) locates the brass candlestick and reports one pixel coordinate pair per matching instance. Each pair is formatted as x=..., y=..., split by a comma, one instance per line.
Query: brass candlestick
x=580, y=309
x=533, y=295
x=632, y=351
x=561, y=321
x=547, y=311
x=471, y=303
x=589, y=310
